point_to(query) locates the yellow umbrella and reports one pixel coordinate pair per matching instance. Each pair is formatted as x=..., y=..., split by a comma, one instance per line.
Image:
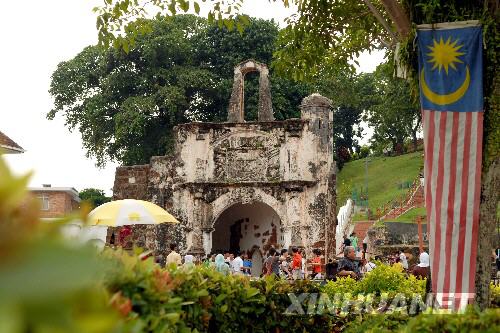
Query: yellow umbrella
x=129, y=211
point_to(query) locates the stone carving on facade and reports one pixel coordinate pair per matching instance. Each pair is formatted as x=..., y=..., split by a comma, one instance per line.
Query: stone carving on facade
x=296, y=236
x=244, y=195
x=258, y=153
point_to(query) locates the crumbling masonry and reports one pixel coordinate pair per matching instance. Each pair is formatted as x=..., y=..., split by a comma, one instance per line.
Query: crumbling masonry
x=243, y=185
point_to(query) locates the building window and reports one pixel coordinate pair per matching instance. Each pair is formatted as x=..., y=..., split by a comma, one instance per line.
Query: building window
x=44, y=202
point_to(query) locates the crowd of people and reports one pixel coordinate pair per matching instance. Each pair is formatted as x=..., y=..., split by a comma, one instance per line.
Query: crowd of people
x=293, y=265
x=281, y=263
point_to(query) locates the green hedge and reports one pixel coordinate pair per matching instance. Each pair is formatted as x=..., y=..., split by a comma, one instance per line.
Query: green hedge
x=201, y=300
x=471, y=321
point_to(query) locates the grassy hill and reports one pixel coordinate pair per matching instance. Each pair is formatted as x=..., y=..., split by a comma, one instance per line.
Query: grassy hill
x=411, y=215
x=385, y=176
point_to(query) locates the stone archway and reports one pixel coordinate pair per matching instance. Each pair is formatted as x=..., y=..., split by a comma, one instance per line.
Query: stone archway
x=245, y=227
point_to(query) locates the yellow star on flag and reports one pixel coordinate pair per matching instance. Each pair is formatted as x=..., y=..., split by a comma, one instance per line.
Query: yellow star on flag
x=445, y=54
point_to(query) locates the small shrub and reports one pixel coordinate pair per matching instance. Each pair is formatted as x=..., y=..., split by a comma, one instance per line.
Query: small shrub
x=391, y=280
x=383, y=279
x=342, y=285
x=379, y=323
x=495, y=295
x=471, y=321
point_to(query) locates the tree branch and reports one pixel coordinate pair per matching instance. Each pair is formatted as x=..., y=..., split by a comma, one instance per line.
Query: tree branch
x=399, y=16
x=382, y=21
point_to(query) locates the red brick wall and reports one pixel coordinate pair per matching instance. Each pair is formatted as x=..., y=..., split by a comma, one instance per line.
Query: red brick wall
x=60, y=204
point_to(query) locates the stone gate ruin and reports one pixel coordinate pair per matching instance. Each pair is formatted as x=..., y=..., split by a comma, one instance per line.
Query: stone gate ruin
x=243, y=185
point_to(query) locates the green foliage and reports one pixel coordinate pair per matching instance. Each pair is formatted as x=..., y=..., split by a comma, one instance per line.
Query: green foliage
x=94, y=197
x=384, y=176
x=349, y=94
x=384, y=279
x=495, y=295
x=126, y=104
x=342, y=286
x=121, y=22
x=201, y=299
x=46, y=284
x=471, y=321
x=391, y=280
x=327, y=33
x=379, y=323
x=392, y=112
x=364, y=152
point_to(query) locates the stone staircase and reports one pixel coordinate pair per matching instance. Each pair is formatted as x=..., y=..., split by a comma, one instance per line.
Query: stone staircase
x=361, y=228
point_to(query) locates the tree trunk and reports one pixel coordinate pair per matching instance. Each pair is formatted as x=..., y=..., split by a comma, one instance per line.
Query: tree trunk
x=490, y=185
x=487, y=233
x=414, y=140
x=399, y=16
x=394, y=147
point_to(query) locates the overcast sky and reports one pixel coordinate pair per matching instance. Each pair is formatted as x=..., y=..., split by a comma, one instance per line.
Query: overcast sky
x=37, y=35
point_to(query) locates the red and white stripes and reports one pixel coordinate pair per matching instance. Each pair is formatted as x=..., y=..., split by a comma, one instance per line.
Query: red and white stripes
x=452, y=142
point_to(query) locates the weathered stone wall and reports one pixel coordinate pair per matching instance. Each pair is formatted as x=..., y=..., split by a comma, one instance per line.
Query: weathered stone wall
x=287, y=165
x=400, y=233
x=131, y=182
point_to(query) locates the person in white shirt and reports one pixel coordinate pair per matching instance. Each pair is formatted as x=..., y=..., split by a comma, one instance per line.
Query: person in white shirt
x=403, y=260
x=237, y=265
x=188, y=260
x=368, y=266
x=304, y=265
x=173, y=257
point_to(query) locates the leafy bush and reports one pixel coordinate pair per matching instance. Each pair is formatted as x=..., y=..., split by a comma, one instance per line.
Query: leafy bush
x=383, y=279
x=200, y=299
x=471, y=321
x=46, y=284
x=391, y=280
x=379, y=323
x=342, y=285
x=495, y=295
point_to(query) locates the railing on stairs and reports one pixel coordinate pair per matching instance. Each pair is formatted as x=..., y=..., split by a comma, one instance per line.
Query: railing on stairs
x=398, y=207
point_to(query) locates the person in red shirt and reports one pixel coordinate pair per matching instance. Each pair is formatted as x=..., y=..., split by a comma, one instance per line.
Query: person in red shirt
x=296, y=264
x=316, y=263
x=125, y=237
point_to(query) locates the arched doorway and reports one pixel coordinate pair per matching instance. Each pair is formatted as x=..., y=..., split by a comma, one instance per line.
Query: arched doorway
x=244, y=227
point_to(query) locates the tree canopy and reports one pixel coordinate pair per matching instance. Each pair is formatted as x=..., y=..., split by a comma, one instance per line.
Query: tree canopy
x=125, y=105
x=392, y=112
x=94, y=196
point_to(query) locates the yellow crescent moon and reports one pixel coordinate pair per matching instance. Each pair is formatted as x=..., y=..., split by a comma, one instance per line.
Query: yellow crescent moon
x=448, y=98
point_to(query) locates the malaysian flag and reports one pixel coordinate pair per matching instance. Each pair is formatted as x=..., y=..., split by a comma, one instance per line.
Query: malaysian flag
x=451, y=96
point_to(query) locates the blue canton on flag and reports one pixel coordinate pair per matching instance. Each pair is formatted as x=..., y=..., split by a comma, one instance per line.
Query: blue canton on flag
x=450, y=69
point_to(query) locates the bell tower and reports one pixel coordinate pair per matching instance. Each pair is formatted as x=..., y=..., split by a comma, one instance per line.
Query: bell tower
x=236, y=108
